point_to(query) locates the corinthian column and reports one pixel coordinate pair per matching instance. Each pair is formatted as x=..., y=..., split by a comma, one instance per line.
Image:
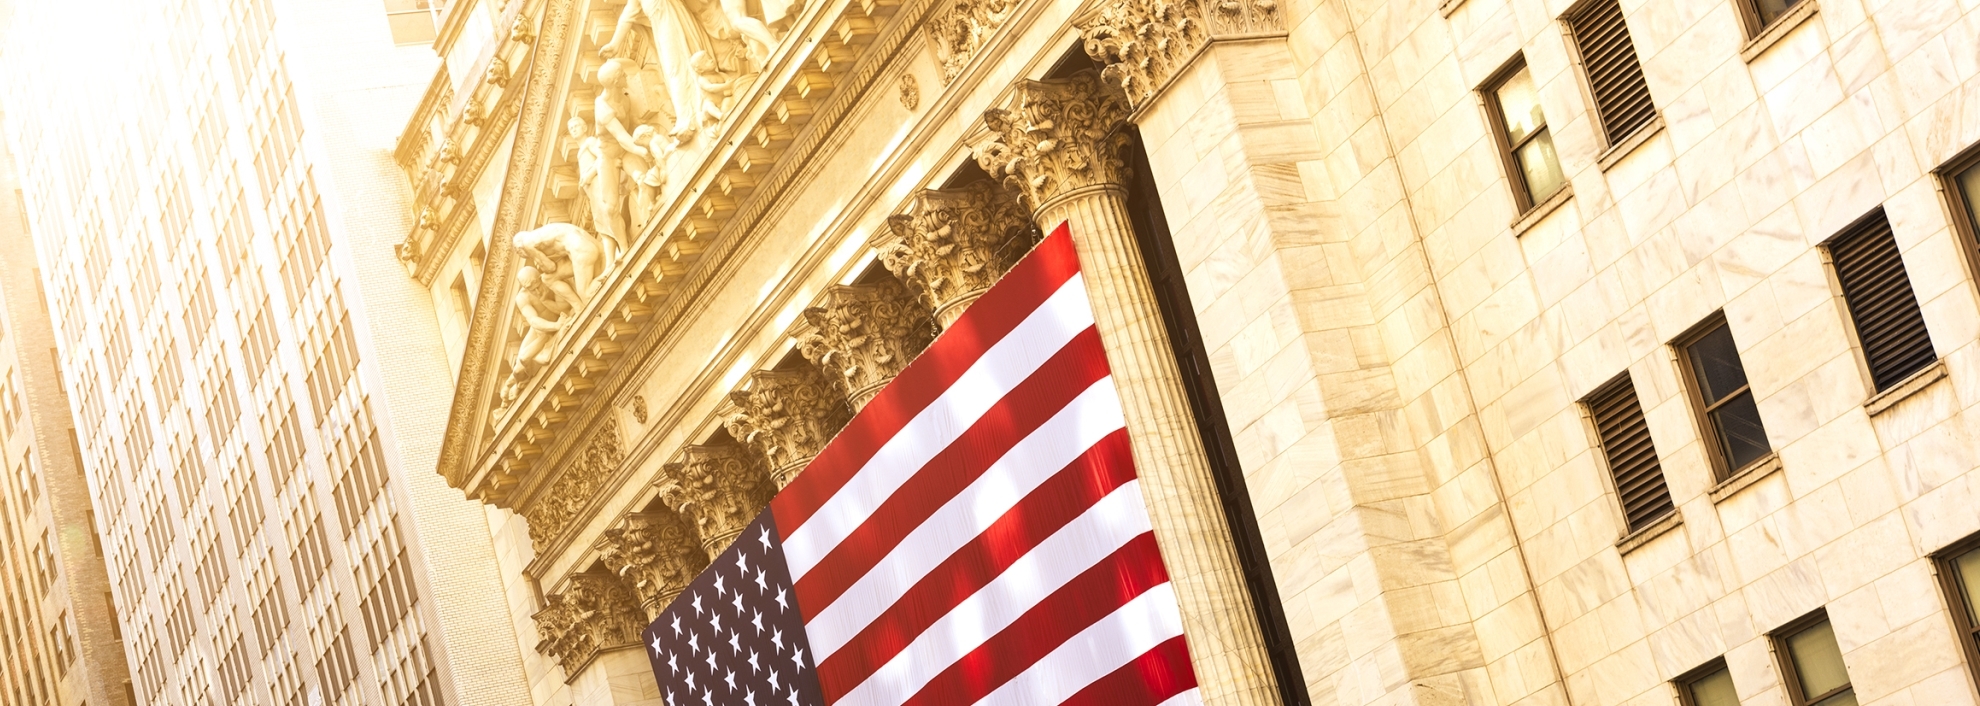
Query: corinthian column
x=1059, y=145
x=596, y=612
x=657, y=553
x=786, y=415
x=955, y=244
x=865, y=334
x=719, y=488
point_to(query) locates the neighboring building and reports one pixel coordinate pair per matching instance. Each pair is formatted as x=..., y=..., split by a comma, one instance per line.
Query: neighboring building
x=1473, y=351
x=59, y=638
x=210, y=188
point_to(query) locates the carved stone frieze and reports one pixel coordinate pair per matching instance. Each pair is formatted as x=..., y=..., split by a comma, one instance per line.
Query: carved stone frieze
x=962, y=28
x=788, y=416
x=1056, y=137
x=955, y=243
x=657, y=553
x=720, y=488
x=596, y=612
x=862, y=335
x=1143, y=44
x=550, y=514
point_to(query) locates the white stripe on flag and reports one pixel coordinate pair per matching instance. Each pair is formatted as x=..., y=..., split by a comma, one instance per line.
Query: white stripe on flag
x=1148, y=620
x=1191, y=697
x=1114, y=521
x=1083, y=422
x=1002, y=367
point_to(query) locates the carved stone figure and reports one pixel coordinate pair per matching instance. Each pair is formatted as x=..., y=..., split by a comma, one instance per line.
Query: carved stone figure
x=675, y=37
x=955, y=244
x=596, y=612
x=719, y=487
x=788, y=416
x=657, y=553
x=715, y=88
x=863, y=335
x=565, y=255
x=623, y=146
x=1057, y=137
x=963, y=28
x=544, y=314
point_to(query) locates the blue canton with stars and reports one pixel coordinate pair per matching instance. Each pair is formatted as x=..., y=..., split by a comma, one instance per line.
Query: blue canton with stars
x=735, y=635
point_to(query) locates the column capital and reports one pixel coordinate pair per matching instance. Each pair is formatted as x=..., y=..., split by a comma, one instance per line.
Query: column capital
x=788, y=416
x=719, y=488
x=862, y=335
x=1144, y=44
x=596, y=612
x=1056, y=137
x=656, y=553
x=955, y=243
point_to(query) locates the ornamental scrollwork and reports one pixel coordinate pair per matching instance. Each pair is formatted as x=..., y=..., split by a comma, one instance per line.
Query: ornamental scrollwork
x=719, y=488
x=657, y=553
x=788, y=416
x=596, y=612
x=955, y=243
x=961, y=29
x=862, y=335
x=552, y=511
x=1056, y=137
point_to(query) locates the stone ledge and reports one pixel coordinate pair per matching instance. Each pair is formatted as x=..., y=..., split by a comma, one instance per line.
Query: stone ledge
x=1616, y=152
x=1753, y=473
x=1883, y=401
x=1772, y=34
x=1533, y=216
x=1449, y=7
x=1630, y=542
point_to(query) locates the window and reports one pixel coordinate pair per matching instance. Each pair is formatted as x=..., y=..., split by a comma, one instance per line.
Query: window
x=1812, y=663
x=1622, y=97
x=1760, y=14
x=412, y=20
x=1514, y=102
x=1709, y=685
x=1961, y=181
x=1959, y=571
x=1718, y=381
x=1888, y=322
x=1632, y=458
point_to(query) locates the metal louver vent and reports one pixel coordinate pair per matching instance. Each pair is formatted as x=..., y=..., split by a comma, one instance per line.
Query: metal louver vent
x=1632, y=458
x=1888, y=322
x=1622, y=98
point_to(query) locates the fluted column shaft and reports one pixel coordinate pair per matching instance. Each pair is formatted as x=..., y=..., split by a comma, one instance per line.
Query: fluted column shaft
x=1037, y=145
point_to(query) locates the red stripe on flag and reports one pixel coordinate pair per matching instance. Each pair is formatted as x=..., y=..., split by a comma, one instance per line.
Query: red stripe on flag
x=1069, y=372
x=1094, y=594
x=1154, y=677
x=1015, y=297
x=1059, y=500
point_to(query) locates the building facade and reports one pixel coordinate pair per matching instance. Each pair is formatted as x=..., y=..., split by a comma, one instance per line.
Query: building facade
x=60, y=639
x=211, y=193
x=1473, y=351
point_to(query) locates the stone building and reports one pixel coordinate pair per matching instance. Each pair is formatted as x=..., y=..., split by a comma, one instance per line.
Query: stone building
x=58, y=632
x=1475, y=351
x=212, y=200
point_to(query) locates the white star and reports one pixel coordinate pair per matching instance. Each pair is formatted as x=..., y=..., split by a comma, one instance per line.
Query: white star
x=760, y=585
x=707, y=699
x=781, y=605
x=753, y=668
x=757, y=621
x=673, y=662
x=750, y=697
x=690, y=681
x=734, y=646
x=656, y=645
x=777, y=637
x=797, y=658
x=694, y=643
x=794, y=697
x=731, y=681
x=697, y=604
x=738, y=603
x=718, y=586
x=773, y=681
x=766, y=538
x=716, y=619
x=711, y=663
x=677, y=626
x=742, y=563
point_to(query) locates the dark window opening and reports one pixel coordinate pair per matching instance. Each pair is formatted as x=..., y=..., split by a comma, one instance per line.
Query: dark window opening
x=1889, y=325
x=1622, y=96
x=1632, y=457
x=1730, y=418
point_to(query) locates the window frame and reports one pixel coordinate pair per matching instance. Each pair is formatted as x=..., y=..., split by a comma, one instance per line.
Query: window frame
x=1966, y=629
x=1960, y=210
x=1749, y=17
x=1697, y=674
x=1722, y=467
x=1488, y=96
x=1784, y=658
x=1623, y=381
x=1591, y=96
x=1832, y=270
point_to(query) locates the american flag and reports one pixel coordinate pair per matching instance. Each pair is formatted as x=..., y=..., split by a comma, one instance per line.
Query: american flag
x=976, y=534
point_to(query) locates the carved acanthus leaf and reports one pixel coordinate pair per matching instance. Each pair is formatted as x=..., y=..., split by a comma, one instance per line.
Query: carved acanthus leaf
x=551, y=512
x=1056, y=137
x=955, y=244
x=657, y=553
x=864, y=335
x=963, y=28
x=788, y=416
x=596, y=612
x=719, y=487
x=1143, y=43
